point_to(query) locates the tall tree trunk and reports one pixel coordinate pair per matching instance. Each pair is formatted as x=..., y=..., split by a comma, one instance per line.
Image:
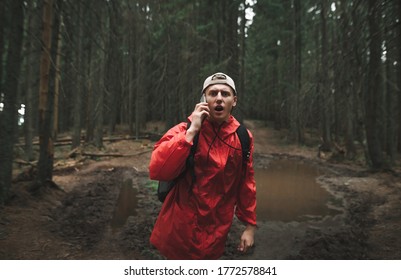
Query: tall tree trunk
x=230, y=45
x=99, y=103
x=31, y=91
x=91, y=85
x=324, y=89
x=51, y=23
x=98, y=136
x=2, y=37
x=390, y=116
x=296, y=121
x=278, y=112
x=172, y=112
x=44, y=97
x=141, y=43
x=346, y=86
x=131, y=40
x=139, y=91
x=373, y=93
x=242, y=45
x=90, y=71
x=115, y=62
x=57, y=82
x=77, y=107
x=398, y=75
x=8, y=117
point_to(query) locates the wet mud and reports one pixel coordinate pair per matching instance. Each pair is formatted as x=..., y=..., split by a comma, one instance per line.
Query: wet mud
x=106, y=210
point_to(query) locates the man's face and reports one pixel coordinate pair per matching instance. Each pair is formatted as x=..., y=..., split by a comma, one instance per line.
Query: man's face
x=221, y=100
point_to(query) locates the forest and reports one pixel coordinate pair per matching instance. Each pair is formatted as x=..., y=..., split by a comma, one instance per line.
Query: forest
x=85, y=67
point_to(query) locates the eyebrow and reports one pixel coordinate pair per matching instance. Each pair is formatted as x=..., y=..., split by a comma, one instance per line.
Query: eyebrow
x=221, y=90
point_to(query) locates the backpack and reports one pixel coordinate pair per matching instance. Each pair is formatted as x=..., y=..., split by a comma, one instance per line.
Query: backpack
x=164, y=187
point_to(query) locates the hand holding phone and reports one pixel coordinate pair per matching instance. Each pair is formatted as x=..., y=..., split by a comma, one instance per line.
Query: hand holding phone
x=200, y=113
x=203, y=100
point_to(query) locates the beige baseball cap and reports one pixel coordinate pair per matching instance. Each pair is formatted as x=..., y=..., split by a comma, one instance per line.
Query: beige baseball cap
x=219, y=78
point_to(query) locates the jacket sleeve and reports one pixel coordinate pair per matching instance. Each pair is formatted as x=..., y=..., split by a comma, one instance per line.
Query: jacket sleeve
x=169, y=154
x=246, y=202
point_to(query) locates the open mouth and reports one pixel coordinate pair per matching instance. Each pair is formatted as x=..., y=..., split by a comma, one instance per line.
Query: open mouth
x=219, y=108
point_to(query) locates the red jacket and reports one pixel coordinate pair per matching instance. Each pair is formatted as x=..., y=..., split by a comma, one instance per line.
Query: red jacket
x=195, y=219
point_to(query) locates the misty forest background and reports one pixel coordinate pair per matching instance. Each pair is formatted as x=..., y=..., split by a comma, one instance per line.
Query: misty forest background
x=83, y=68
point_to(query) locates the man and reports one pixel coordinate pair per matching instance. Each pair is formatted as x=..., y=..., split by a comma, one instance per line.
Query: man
x=197, y=214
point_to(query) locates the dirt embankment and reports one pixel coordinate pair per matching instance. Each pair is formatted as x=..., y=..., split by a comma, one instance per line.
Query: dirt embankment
x=87, y=218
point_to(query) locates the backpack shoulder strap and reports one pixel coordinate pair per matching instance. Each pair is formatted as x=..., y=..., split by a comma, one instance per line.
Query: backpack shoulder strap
x=195, y=141
x=243, y=135
x=164, y=187
x=190, y=163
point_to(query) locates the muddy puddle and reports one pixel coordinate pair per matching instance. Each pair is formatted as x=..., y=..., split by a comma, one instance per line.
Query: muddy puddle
x=126, y=205
x=290, y=202
x=290, y=205
x=288, y=191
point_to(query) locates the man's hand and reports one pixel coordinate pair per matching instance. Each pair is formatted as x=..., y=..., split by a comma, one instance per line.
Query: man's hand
x=200, y=112
x=247, y=239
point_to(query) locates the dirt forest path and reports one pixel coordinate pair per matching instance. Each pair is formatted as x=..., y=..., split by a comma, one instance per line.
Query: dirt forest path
x=106, y=208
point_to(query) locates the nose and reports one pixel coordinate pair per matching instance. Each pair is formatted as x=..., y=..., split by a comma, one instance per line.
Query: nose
x=219, y=96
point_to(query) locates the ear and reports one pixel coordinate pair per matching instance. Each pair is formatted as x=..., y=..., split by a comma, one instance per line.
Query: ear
x=235, y=101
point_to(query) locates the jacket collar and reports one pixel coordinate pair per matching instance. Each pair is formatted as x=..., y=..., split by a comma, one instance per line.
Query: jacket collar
x=229, y=126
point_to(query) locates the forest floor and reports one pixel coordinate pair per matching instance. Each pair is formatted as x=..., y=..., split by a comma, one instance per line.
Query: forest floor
x=91, y=214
